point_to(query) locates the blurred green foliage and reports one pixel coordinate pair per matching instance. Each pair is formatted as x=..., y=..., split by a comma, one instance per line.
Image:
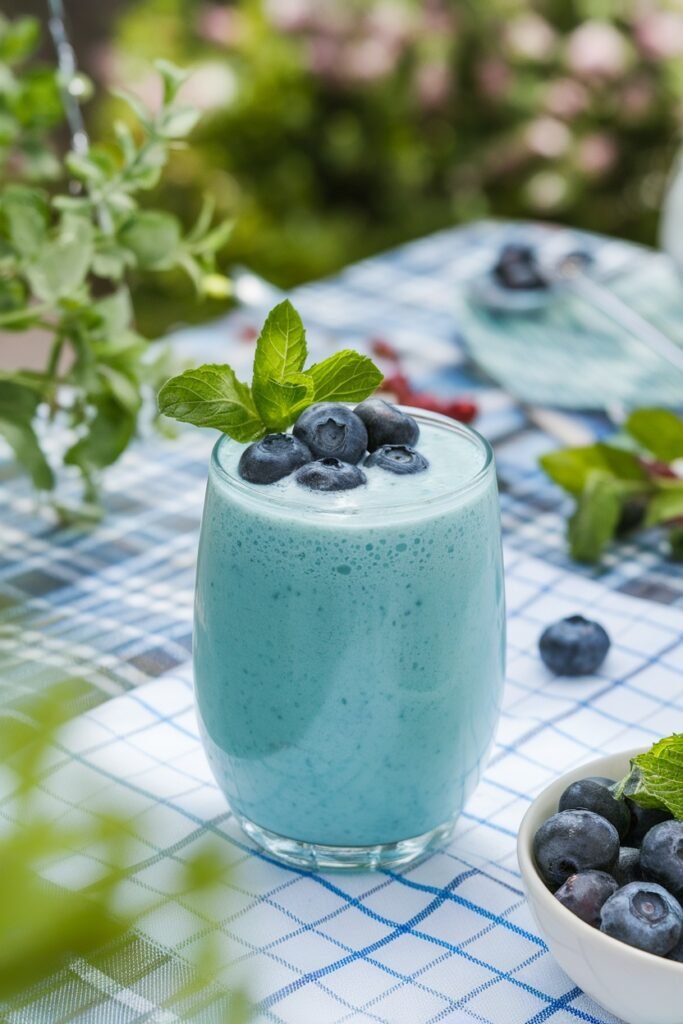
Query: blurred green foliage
x=69, y=251
x=336, y=128
x=46, y=924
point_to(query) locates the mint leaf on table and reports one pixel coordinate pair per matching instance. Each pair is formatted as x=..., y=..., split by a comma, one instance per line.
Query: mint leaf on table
x=656, y=777
x=595, y=520
x=659, y=431
x=665, y=506
x=570, y=467
x=346, y=376
x=211, y=396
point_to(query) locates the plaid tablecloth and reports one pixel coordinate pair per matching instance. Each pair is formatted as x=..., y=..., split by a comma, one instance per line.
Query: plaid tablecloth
x=448, y=940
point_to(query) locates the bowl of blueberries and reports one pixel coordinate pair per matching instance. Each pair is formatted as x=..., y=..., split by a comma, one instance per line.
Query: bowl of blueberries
x=604, y=879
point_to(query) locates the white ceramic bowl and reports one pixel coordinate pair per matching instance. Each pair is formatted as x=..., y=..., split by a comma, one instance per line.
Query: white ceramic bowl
x=638, y=987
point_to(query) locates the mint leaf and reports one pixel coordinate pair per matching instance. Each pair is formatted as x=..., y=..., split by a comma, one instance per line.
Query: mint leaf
x=280, y=402
x=281, y=347
x=153, y=237
x=62, y=265
x=665, y=506
x=570, y=467
x=656, y=778
x=211, y=396
x=595, y=520
x=659, y=431
x=347, y=376
x=26, y=212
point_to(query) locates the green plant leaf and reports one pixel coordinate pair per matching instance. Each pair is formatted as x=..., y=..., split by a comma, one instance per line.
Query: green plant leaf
x=153, y=238
x=656, y=777
x=26, y=213
x=110, y=430
x=177, y=122
x=280, y=402
x=22, y=438
x=281, y=346
x=62, y=264
x=570, y=467
x=665, y=506
x=676, y=543
x=211, y=396
x=172, y=77
x=19, y=39
x=659, y=431
x=116, y=311
x=346, y=376
x=594, y=522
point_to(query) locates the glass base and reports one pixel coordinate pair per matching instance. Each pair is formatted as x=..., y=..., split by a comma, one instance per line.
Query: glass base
x=317, y=857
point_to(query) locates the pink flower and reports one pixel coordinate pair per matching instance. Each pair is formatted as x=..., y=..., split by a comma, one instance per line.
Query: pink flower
x=433, y=83
x=391, y=21
x=530, y=36
x=218, y=25
x=637, y=97
x=547, y=137
x=597, y=49
x=659, y=34
x=566, y=98
x=369, y=59
x=291, y=15
x=493, y=77
x=597, y=154
x=324, y=56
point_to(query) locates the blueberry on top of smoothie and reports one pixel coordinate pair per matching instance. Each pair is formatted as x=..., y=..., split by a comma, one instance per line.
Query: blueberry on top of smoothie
x=331, y=429
x=272, y=458
x=330, y=475
x=397, y=458
x=386, y=424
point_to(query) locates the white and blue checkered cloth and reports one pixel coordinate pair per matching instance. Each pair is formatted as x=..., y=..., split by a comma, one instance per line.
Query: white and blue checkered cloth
x=448, y=940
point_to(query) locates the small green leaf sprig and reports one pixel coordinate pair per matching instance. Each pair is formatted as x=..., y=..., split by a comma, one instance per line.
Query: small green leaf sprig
x=623, y=484
x=212, y=396
x=65, y=261
x=656, y=777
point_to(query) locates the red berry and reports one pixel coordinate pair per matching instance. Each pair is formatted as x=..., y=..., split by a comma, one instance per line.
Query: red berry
x=399, y=384
x=248, y=333
x=462, y=410
x=655, y=468
x=384, y=349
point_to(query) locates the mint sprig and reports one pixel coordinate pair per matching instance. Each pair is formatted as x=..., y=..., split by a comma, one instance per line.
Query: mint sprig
x=622, y=483
x=656, y=777
x=211, y=395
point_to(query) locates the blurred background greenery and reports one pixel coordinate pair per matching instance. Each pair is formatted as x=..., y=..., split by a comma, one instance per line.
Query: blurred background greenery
x=337, y=128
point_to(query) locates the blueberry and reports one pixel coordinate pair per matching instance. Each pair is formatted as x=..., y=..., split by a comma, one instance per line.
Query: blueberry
x=585, y=893
x=386, y=424
x=397, y=458
x=643, y=915
x=517, y=268
x=574, y=841
x=272, y=458
x=628, y=866
x=661, y=856
x=574, y=646
x=330, y=475
x=330, y=429
x=593, y=795
x=642, y=820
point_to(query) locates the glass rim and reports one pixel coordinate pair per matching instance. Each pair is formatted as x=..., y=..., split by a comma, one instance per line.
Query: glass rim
x=263, y=495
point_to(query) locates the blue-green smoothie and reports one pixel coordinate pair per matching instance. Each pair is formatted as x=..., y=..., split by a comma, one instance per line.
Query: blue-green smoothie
x=348, y=645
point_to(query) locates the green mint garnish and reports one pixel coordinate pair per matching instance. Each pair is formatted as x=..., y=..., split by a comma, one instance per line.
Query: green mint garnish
x=211, y=395
x=608, y=478
x=656, y=777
